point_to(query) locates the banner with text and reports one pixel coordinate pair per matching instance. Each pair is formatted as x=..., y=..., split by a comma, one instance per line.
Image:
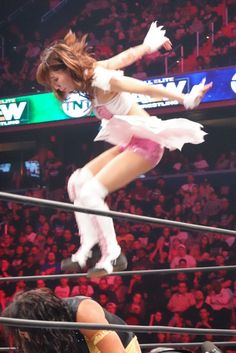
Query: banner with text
x=44, y=108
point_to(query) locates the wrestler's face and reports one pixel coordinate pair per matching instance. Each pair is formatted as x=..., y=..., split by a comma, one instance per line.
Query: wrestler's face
x=61, y=80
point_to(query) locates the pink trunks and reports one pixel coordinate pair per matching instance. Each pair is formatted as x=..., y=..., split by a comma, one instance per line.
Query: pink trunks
x=147, y=148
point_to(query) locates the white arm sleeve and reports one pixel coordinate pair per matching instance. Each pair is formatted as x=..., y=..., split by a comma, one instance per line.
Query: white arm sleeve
x=102, y=77
x=193, y=99
x=155, y=37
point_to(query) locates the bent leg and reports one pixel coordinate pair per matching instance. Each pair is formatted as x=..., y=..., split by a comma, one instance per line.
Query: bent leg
x=92, y=196
x=99, y=162
x=85, y=222
x=126, y=167
x=87, y=225
x=118, y=172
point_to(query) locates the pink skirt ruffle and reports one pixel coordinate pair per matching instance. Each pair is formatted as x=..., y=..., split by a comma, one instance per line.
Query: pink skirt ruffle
x=172, y=133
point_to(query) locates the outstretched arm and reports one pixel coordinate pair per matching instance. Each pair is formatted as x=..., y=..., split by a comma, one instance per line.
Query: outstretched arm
x=125, y=58
x=132, y=85
x=154, y=40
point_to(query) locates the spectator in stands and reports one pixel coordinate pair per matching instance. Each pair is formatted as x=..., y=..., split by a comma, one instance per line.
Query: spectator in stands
x=162, y=246
x=226, y=214
x=83, y=287
x=201, y=64
x=205, y=257
x=32, y=52
x=19, y=258
x=51, y=266
x=205, y=189
x=205, y=321
x=188, y=186
x=190, y=199
x=157, y=319
x=92, y=40
x=63, y=289
x=120, y=289
x=220, y=300
x=182, y=254
x=3, y=300
x=136, y=284
x=139, y=191
x=212, y=207
x=193, y=314
x=181, y=300
x=218, y=245
x=6, y=270
x=40, y=283
x=20, y=288
x=103, y=299
x=222, y=162
x=177, y=212
x=173, y=252
x=177, y=320
x=137, y=305
x=159, y=212
x=105, y=288
x=200, y=163
x=141, y=260
x=198, y=213
x=30, y=267
x=41, y=220
x=111, y=307
x=196, y=25
x=29, y=232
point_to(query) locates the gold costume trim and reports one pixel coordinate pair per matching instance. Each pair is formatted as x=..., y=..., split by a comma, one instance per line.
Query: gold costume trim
x=99, y=336
x=133, y=346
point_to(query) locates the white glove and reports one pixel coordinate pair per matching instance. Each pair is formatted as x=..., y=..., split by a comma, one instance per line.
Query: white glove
x=155, y=37
x=193, y=99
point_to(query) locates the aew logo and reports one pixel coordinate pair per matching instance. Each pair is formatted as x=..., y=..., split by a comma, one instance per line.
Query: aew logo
x=171, y=84
x=76, y=105
x=11, y=112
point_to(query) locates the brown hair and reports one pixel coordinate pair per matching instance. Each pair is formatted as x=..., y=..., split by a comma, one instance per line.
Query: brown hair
x=68, y=54
x=42, y=304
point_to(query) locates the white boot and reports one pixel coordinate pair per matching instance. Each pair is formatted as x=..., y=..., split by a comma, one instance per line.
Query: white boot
x=86, y=223
x=92, y=196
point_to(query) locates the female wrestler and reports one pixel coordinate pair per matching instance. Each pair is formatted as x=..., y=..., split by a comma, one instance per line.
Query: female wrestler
x=139, y=139
x=42, y=304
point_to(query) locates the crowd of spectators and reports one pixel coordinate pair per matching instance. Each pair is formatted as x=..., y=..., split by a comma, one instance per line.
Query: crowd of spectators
x=34, y=240
x=113, y=26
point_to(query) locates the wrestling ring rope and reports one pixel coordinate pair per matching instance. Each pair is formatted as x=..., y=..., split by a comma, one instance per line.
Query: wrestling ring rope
x=134, y=328
x=123, y=273
x=59, y=325
x=113, y=214
x=155, y=345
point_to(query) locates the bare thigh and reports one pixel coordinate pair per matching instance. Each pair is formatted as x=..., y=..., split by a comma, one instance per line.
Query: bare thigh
x=122, y=169
x=100, y=161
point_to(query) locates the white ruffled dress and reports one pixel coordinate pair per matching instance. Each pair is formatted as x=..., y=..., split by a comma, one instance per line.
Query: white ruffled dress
x=118, y=128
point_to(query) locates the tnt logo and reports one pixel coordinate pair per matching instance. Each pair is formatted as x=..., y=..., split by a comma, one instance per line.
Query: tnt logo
x=11, y=113
x=233, y=83
x=76, y=106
